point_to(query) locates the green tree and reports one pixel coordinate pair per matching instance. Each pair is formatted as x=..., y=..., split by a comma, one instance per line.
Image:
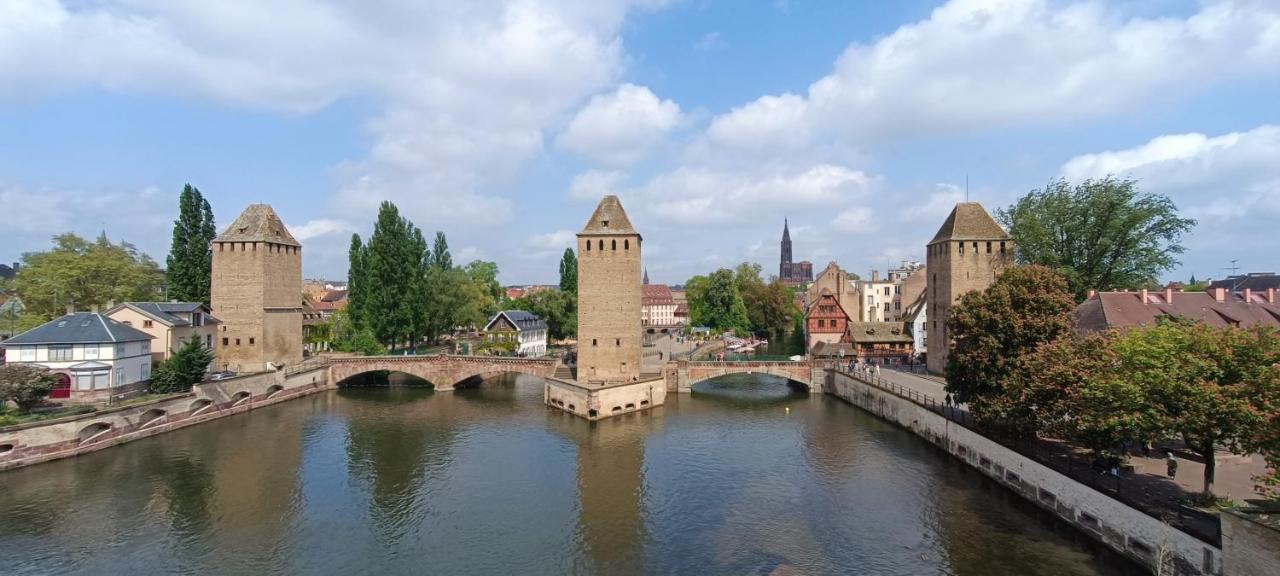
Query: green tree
x=346, y=337
x=26, y=385
x=992, y=330
x=569, y=272
x=83, y=274
x=390, y=276
x=184, y=369
x=190, y=261
x=771, y=307
x=1100, y=234
x=1211, y=387
x=717, y=302
x=440, y=258
x=557, y=308
x=356, y=286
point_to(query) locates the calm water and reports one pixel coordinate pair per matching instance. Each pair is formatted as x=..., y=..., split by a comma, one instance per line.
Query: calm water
x=488, y=481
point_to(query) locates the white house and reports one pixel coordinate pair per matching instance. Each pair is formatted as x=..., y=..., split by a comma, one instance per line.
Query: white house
x=528, y=331
x=93, y=355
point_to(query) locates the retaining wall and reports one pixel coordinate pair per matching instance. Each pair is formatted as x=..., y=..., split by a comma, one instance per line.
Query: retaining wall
x=26, y=444
x=1131, y=532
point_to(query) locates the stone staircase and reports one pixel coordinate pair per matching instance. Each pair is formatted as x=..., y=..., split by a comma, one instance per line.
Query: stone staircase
x=564, y=372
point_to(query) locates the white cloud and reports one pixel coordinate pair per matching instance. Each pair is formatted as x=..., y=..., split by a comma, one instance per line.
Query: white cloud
x=621, y=127
x=558, y=240
x=707, y=196
x=976, y=64
x=855, y=220
x=1230, y=183
x=591, y=185
x=319, y=227
x=770, y=123
x=34, y=215
x=710, y=42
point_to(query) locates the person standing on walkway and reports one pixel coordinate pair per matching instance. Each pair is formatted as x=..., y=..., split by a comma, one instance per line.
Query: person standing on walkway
x=1171, y=464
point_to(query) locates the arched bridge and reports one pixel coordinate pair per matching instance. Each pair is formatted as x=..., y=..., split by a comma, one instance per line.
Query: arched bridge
x=683, y=374
x=443, y=371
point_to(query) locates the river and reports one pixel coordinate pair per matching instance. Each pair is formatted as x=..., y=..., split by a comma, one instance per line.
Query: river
x=744, y=476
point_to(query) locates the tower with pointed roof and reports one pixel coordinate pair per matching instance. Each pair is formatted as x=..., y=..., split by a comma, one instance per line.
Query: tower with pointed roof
x=646, y=276
x=609, y=280
x=257, y=292
x=784, y=264
x=967, y=254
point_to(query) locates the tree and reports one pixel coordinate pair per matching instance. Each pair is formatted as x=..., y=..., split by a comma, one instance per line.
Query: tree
x=26, y=385
x=569, y=272
x=440, y=258
x=715, y=301
x=1100, y=234
x=188, y=267
x=771, y=307
x=346, y=337
x=559, y=309
x=356, y=296
x=184, y=369
x=82, y=274
x=389, y=278
x=993, y=329
x=1211, y=387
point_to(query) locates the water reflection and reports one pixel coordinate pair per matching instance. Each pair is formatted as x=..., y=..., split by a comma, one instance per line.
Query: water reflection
x=744, y=476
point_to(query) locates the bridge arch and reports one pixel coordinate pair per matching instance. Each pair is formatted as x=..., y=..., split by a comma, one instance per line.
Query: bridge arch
x=799, y=374
x=442, y=371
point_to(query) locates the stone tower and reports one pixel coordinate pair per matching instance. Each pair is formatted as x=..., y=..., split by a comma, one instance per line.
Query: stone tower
x=966, y=254
x=257, y=292
x=609, y=329
x=784, y=263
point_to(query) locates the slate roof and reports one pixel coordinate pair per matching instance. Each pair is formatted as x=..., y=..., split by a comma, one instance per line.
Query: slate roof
x=969, y=221
x=334, y=296
x=1256, y=281
x=1105, y=310
x=608, y=219
x=79, y=328
x=877, y=332
x=167, y=312
x=258, y=223
x=521, y=319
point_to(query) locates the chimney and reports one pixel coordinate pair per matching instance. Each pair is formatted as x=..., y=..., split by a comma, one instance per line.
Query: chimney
x=1168, y=295
x=1271, y=295
x=1144, y=296
x=1248, y=295
x=1220, y=294
x=875, y=275
x=71, y=308
x=1093, y=293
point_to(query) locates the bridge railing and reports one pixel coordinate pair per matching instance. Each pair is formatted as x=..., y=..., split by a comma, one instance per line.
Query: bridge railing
x=313, y=363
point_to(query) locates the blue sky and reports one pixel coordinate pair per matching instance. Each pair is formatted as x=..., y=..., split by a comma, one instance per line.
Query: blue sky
x=502, y=122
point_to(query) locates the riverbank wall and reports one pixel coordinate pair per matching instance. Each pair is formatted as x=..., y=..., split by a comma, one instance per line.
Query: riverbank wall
x=35, y=442
x=1148, y=541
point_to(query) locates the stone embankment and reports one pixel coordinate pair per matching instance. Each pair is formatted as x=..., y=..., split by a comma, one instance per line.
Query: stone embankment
x=1148, y=541
x=32, y=443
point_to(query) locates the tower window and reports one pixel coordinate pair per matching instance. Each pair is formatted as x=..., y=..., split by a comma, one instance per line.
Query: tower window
x=626, y=244
x=588, y=245
x=600, y=244
x=962, y=248
x=617, y=341
x=988, y=247
x=613, y=244
x=1002, y=247
x=593, y=341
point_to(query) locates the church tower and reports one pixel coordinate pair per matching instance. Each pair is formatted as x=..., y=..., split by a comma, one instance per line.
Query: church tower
x=784, y=265
x=257, y=292
x=967, y=254
x=609, y=279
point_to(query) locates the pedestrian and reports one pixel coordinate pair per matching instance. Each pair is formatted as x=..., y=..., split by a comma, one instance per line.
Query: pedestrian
x=1171, y=464
x=948, y=400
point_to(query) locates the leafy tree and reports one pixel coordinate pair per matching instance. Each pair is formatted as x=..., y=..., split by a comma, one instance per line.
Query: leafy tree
x=715, y=301
x=484, y=275
x=190, y=261
x=569, y=272
x=440, y=258
x=26, y=385
x=557, y=308
x=346, y=337
x=1211, y=387
x=770, y=307
x=994, y=329
x=84, y=274
x=356, y=297
x=183, y=370
x=390, y=273
x=1100, y=234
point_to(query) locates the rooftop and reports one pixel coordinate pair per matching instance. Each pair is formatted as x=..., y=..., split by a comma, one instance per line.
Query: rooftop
x=79, y=328
x=258, y=223
x=969, y=221
x=877, y=332
x=1216, y=307
x=521, y=319
x=168, y=313
x=608, y=219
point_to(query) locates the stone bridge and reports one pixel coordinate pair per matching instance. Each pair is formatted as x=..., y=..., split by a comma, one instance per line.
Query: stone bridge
x=683, y=374
x=442, y=371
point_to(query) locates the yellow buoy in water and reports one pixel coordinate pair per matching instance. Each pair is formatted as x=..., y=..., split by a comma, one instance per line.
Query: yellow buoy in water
x=786, y=409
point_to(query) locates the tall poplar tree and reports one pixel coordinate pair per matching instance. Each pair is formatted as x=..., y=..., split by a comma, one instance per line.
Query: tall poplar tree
x=440, y=258
x=355, y=282
x=569, y=272
x=390, y=270
x=188, y=267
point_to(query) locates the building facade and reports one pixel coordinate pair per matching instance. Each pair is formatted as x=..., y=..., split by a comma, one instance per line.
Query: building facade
x=609, y=296
x=658, y=307
x=836, y=281
x=520, y=331
x=885, y=299
x=257, y=280
x=825, y=321
x=886, y=343
x=969, y=251
x=170, y=324
x=94, y=357
x=788, y=271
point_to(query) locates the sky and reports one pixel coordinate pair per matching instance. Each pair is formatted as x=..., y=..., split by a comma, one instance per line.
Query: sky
x=502, y=122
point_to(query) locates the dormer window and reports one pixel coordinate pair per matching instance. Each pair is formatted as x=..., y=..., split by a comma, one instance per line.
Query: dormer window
x=243, y=230
x=604, y=223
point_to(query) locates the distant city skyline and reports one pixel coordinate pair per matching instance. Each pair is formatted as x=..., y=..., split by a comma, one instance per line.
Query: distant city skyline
x=861, y=122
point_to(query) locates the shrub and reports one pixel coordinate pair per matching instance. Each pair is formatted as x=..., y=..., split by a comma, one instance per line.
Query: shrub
x=26, y=385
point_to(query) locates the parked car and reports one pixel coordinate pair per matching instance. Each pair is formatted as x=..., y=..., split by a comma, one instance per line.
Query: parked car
x=222, y=375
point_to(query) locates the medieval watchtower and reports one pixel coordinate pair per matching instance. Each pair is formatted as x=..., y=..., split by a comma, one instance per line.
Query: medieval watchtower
x=967, y=253
x=257, y=292
x=609, y=280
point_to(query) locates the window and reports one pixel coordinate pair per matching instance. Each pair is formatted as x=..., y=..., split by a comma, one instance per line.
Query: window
x=613, y=244
x=146, y=323
x=208, y=340
x=886, y=290
x=146, y=346
x=237, y=341
x=90, y=351
x=146, y=371
x=617, y=341
x=197, y=319
x=1002, y=247
x=822, y=323
x=84, y=381
x=120, y=350
x=60, y=353
x=988, y=247
x=119, y=376
x=224, y=341
x=588, y=245
x=251, y=341
x=962, y=248
x=600, y=244
x=27, y=354
x=593, y=342
x=626, y=244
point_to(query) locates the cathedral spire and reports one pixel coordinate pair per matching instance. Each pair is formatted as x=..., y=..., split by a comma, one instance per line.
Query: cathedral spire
x=646, y=276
